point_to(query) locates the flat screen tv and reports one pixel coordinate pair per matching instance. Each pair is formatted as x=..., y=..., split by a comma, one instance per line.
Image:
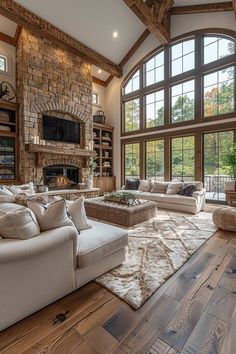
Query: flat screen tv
x=58, y=129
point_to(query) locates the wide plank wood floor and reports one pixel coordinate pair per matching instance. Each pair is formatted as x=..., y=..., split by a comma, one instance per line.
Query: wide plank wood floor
x=194, y=312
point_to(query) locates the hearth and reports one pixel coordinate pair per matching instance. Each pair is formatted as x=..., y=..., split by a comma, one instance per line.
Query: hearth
x=61, y=176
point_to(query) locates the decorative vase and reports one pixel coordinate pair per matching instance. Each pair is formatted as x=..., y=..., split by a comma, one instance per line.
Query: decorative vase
x=89, y=182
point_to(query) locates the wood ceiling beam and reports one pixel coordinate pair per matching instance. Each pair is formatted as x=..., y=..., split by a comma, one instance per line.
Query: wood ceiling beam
x=149, y=19
x=7, y=39
x=37, y=25
x=234, y=6
x=205, y=8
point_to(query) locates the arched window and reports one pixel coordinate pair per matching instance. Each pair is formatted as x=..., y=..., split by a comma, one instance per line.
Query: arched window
x=190, y=80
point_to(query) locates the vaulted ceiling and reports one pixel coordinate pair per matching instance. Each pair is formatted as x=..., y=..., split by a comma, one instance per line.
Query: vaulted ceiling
x=93, y=22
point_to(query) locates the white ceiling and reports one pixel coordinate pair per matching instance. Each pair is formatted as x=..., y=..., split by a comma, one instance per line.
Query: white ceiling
x=8, y=27
x=92, y=22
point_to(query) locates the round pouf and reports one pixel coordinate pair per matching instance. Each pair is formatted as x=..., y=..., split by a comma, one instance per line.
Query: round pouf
x=225, y=218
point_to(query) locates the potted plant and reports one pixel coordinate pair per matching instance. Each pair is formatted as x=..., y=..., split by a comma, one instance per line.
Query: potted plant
x=230, y=162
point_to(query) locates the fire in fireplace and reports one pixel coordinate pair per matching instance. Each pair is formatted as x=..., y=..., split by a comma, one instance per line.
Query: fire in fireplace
x=61, y=176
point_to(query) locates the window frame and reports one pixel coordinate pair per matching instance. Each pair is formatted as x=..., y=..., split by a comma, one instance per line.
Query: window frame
x=4, y=57
x=197, y=73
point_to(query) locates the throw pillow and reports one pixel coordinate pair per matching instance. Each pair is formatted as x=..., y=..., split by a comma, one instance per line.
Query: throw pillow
x=174, y=187
x=198, y=184
x=144, y=185
x=132, y=184
x=52, y=216
x=159, y=187
x=5, y=191
x=17, y=222
x=188, y=190
x=27, y=189
x=77, y=212
x=5, y=198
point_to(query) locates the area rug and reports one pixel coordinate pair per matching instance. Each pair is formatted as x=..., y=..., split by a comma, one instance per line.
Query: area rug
x=157, y=249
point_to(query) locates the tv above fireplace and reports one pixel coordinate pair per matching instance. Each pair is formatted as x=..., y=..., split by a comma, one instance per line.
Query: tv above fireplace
x=63, y=130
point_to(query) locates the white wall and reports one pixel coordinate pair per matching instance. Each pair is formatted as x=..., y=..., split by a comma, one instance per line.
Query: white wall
x=10, y=52
x=179, y=25
x=100, y=90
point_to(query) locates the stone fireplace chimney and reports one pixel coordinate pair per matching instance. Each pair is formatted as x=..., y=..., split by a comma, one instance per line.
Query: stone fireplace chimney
x=51, y=81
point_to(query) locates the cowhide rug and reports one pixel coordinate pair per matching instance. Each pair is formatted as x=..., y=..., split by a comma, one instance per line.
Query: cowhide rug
x=157, y=249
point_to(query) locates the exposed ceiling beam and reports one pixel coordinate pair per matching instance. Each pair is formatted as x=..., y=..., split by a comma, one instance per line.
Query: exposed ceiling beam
x=204, y=8
x=17, y=34
x=7, y=39
x=37, y=25
x=98, y=81
x=149, y=19
x=234, y=6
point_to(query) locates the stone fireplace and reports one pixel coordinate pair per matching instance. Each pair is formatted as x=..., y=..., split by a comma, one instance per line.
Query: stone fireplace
x=54, y=82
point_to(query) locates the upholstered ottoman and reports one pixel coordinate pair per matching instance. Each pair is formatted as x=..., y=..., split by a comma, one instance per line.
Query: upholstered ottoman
x=120, y=214
x=225, y=218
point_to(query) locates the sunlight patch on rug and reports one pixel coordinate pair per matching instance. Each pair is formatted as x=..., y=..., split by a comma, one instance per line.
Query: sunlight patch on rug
x=157, y=249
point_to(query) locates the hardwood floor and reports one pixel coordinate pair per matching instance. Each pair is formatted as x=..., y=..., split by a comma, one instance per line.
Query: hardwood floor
x=194, y=312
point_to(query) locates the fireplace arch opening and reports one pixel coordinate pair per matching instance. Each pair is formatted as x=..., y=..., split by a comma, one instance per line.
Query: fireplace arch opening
x=61, y=176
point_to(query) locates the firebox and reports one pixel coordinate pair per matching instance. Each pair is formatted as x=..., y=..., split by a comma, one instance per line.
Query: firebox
x=61, y=176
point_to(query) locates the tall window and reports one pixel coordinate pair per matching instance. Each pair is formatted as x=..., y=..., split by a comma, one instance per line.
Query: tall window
x=155, y=159
x=183, y=158
x=154, y=69
x=219, y=92
x=133, y=83
x=3, y=63
x=132, y=160
x=132, y=115
x=191, y=79
x=182, y=102
x=155, y=109
x=182, y=57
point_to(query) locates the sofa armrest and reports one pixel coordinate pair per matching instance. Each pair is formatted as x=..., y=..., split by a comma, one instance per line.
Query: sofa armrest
x=200, y=193
x=13, y=250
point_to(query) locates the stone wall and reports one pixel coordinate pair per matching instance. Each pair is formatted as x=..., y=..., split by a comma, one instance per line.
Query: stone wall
x=52, y=81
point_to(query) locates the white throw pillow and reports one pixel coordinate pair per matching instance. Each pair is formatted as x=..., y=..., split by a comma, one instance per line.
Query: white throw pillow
x=144, y=185
x=77, y=212
x=174, y=187
x=52, y=216
x=5, y=191
x=27, y=189
x=17, y=222
x=5, y=198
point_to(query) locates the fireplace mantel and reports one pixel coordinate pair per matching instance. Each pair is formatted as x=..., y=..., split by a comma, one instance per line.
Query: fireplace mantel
x=46, y=149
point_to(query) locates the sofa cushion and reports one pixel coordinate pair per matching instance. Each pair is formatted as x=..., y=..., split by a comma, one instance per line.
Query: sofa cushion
x=51, y=217
x=179, y=199
x=144, y=185
x=99, y=242
x=77, y=212
x=174, y=187
x=27, y=189
x=131, y=184
x=156, y=197
x=17, y=222
x=5, y=198
x=159, y=187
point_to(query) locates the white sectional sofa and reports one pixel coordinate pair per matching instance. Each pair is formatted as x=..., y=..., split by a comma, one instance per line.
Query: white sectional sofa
x=38, y=271
x=193, y=204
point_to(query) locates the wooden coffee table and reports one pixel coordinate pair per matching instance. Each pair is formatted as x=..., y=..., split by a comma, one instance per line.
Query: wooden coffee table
x=121, y=214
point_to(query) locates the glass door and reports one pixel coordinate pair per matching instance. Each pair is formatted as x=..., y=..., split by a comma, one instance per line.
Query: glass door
x=7, y=158
x=215, y=168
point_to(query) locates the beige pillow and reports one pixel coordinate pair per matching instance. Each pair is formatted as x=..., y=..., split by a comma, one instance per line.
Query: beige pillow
x=51, y=217
x=174, y=187
x=17, y=222
x=159, y=187
x=77, y=212
x=7, y=198
x=144, y=185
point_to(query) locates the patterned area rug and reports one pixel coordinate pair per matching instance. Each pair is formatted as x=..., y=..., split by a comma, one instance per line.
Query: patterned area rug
x=157, y=249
